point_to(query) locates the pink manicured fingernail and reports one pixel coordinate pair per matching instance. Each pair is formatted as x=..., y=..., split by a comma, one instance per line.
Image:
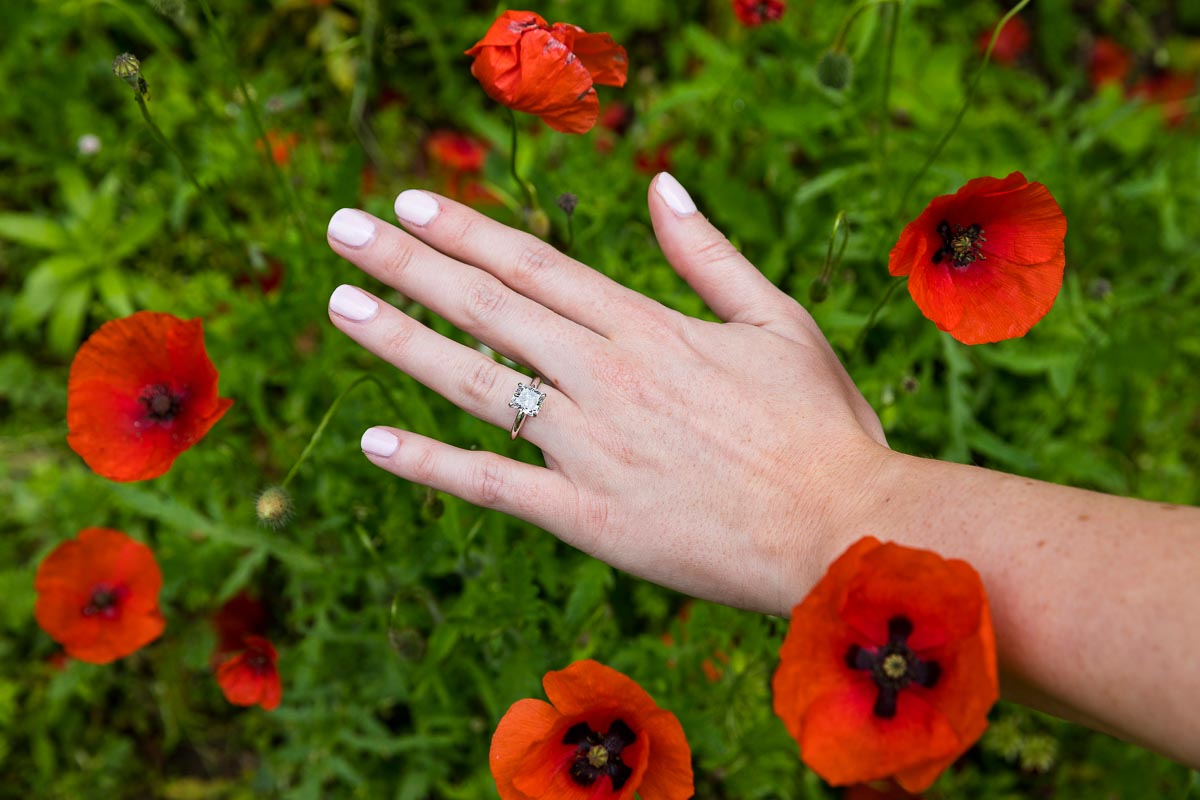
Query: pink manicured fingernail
x=353, y=304
x=416, y=207
x=351, y=228
x=674, y=195
x=379, y=442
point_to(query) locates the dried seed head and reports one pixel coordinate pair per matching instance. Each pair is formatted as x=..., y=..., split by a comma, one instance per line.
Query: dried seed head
x=274, y=507
x=567, y=202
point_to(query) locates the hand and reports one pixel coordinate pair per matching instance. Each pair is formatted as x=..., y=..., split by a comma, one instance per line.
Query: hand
x=722, y=460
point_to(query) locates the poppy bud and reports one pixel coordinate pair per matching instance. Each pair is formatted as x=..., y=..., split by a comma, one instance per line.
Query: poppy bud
x=834, y=70
x=539, y=223
x=274, y=507
x=127, y=67
x=567, y=202
x=819, y=290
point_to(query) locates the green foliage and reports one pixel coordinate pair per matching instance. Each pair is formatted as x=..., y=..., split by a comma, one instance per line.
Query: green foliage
x=409, y=621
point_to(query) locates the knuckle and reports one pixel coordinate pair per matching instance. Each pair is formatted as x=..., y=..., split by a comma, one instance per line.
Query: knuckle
x=461, y=234
x=489, y=481
x=399, y=258
x=424, y=465
x=479, y=380
x=532, y=264
x=713, y=250
x=483, y=299
x=398, y=340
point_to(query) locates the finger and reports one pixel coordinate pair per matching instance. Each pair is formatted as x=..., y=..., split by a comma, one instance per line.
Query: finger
x=465, y=377
x=534, y=494
x=523, y=262
x=470, y=298
x=731, y=286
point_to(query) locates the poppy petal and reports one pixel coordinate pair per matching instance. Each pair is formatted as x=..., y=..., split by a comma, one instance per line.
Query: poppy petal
x=526, y=724
x=941, y=598
x=671, y=776
x=844, y=742
x=605, y=59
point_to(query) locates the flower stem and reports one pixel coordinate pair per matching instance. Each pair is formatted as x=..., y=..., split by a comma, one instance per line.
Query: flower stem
x=962, y=112
x=316, y=437
x=885, y=98
x=839, y=41
x=191, y=176
x=289, y=192
x=525, y=190
x=862, y=335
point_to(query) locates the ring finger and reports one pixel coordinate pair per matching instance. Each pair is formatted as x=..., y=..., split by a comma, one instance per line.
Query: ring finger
x=472, y=381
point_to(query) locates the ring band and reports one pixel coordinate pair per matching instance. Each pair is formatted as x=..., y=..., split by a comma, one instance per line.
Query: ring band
x=527, y=400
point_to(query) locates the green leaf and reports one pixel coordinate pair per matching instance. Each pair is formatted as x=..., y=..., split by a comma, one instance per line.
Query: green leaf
x=114, y=291
x=67, y=318
x=33, y=231
x=43, y=288
x=593, y=579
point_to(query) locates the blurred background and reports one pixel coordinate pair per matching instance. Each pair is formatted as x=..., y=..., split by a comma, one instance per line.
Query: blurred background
x=407, y=621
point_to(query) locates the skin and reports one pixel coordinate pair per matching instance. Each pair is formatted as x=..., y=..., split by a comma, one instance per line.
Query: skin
x=650, y=468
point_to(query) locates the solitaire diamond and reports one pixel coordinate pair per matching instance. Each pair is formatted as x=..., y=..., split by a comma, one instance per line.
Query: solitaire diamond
x=527, y=400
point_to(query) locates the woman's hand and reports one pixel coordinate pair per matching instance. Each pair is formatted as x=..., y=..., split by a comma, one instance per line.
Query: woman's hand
x=723, y=460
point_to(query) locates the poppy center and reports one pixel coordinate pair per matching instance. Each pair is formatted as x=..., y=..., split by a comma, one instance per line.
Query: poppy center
x=104, y=602
x=962, y=245
x=258, y=662
x=161, y=404
x=893, y=666
x=599, y=754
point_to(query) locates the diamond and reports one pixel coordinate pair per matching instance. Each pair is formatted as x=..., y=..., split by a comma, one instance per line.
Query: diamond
x=527, y=400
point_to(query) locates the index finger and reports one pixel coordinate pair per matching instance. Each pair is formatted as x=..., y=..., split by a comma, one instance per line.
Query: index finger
x=523, y=262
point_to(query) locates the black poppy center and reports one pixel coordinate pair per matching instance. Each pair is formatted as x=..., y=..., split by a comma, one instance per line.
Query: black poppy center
x=258, y=661
x=103, y=602
x=161, y=404
x=599, y=754
x=893, y=666
x=963, y=246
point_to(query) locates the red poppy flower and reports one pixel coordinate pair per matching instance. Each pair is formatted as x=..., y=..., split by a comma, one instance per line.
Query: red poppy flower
x=652, y=162
x=1012, y=42
x=1109, y=63
x=456, y=151
x=889, y=667
x=250, y=677
x=280, y=146
x=140, y=392
x=547, y=71
x=240, y=617
x=1168, y=90
x=755, y=12
x=98, y=596
x=601, y=737
x=986, y=262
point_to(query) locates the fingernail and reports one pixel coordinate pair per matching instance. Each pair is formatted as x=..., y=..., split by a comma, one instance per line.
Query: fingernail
x=351, y=228
x=353, y=304
x=379, y=442
x=674, y=195
x=416, y=207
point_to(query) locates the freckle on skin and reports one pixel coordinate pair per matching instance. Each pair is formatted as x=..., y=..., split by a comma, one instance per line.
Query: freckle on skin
x=1041, y=543
x=1084, y=517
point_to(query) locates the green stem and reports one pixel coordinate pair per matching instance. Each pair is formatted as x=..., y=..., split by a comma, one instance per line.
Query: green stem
x=570, y=232
x=839, y=224
x=962, y=112
x=289, y=192
x=316, y=437
x=862, y=335
x=884, y=113
x=165, y=142
x=525, y=190
x=839, y=41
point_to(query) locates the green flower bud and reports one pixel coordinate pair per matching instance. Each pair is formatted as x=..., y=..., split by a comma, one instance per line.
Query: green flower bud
x=834, y=70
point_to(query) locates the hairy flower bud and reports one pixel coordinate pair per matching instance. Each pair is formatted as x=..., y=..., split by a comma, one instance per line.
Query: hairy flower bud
x=274, y=507
x=834, y=70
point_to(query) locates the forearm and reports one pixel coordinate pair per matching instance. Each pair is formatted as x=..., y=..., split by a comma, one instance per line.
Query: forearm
x=1095, y=598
